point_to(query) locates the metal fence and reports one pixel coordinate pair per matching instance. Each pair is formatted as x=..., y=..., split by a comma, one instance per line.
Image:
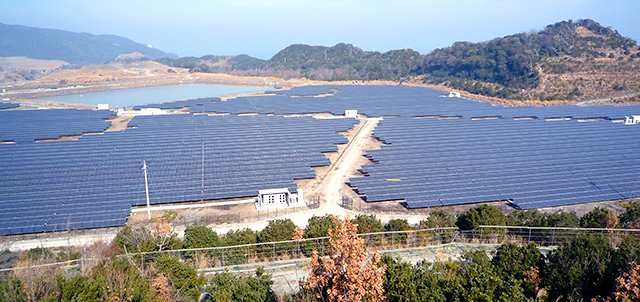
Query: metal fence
x=229, y=214
x=541, y=236
x=227, y=256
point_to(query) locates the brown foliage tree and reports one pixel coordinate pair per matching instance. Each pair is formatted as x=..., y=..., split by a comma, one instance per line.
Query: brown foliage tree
x=161, y=286
x=297, y=234
x=612, y=220
x=628, y=285
x=346, y=274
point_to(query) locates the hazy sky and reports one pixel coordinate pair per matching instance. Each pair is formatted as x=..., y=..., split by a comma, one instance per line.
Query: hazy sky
x=261, y=28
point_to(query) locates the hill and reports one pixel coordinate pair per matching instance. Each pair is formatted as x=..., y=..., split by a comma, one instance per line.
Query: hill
x=566, y=61
x=214, y=64
x=75, y=48
x=342, y=62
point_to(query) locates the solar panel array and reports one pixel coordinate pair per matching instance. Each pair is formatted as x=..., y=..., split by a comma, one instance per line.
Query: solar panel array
x=26, y=126
x=535, y=163
x=4, y=105
x=93, y=182
x=400, y=101
x=195, y=104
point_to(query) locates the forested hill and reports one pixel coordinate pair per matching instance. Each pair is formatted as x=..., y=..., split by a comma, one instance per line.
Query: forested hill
x=215, y=64
x=75, y=48
x=564, y=61
x=342, y=62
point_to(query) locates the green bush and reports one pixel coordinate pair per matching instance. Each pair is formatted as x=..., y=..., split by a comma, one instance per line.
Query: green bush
x=183, y=277
x=227, y=287
x=199, y=236
x=277, y=230
x=581, y=269
x=319, y=226
x=395, y=225
x=597, y=218
x=482, y=215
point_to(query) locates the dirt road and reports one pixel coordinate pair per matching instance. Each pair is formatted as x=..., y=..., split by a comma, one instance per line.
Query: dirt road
x=330, y=190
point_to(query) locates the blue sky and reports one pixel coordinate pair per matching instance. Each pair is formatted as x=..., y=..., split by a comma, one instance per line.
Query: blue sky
x=261, y=28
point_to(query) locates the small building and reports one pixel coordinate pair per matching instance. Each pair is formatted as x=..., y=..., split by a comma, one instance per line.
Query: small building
x=151, y=111
x=632, y=120
x=279, y=199
x=102, y=107
x=351, y=113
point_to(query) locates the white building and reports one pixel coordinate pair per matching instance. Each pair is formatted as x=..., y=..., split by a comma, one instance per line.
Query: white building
x=102, y=107
x=632, y=120
x=351, y=113
x=279, y=199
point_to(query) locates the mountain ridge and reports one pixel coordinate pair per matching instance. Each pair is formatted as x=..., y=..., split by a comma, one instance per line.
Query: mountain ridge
x=72, y=47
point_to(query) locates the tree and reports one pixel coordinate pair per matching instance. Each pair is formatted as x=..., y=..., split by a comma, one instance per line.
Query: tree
x=239, y=237
x=597, y=218
x=631, y=217
x=226, y=287
x=628, y=285
x=484, y=214
x=277, y=230
x=319, y=226
x=439, y=219
x=185, y=280
x=197, y=236
x=120, y=280
x=367, y=224
x=512, y=261
x=140, y=240
x=581, y=268
x=397, y=225
x=346, y=274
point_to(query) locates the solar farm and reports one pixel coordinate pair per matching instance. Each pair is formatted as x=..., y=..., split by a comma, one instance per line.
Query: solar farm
x=437, y=151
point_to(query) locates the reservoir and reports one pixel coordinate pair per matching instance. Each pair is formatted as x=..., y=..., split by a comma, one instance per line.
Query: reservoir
x=151, y=95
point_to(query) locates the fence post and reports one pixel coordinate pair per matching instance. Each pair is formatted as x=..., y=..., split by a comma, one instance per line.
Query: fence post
x=529, y=240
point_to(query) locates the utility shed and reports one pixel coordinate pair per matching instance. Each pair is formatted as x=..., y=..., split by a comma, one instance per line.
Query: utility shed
x=351, y=113
x=279, y=198
x=632, y=120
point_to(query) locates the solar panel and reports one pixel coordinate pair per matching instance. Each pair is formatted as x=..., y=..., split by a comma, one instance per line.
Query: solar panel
x=94, y=181
x=535, y=163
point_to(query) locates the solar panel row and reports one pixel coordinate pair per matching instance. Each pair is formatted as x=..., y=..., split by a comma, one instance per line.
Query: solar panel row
x=4, y=105
x=25, y=126
x=393, y=101
x=534, y=163
x=93, y=182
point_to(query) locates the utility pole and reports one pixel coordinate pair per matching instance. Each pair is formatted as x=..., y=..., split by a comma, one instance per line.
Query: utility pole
x=146, y=187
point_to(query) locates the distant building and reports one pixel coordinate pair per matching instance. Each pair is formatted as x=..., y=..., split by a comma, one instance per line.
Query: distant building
x=632, y=120
x=279, y=199
x=351, y=113
x=102, y=107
